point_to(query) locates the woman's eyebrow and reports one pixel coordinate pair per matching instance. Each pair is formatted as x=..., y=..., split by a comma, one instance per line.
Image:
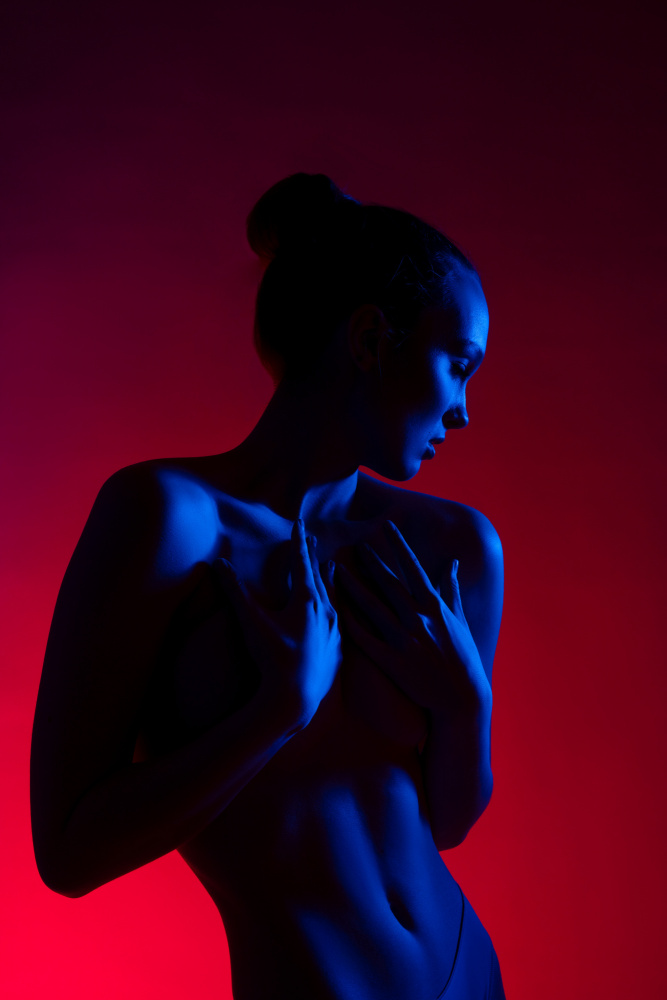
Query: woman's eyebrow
x=471, y=346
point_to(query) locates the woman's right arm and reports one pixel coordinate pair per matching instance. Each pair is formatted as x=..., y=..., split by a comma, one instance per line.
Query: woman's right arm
x=96, y=814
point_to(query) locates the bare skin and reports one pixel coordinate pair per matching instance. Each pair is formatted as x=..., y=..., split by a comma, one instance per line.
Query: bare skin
x=308, y=739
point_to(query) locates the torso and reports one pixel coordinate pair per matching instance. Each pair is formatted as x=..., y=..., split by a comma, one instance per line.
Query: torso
x=323, y=867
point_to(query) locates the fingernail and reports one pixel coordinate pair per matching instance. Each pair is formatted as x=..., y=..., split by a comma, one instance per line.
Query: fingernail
x=455, y=566
x=330, y=565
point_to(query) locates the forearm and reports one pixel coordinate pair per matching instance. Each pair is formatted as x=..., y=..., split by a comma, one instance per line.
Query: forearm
x=456, y=764
x=144, y=810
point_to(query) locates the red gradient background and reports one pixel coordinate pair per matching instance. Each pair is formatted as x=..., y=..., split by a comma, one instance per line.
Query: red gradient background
x=139, y=136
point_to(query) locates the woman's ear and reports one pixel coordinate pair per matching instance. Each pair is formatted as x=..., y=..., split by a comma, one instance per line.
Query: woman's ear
x=366, y=330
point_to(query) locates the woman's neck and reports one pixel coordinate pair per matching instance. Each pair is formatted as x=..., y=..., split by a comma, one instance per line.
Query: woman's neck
x=298, y=460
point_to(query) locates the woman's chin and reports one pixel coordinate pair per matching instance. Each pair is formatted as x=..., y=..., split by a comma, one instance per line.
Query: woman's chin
x=397, y=471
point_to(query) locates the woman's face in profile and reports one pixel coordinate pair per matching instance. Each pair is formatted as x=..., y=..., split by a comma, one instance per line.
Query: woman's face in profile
x=424, y=382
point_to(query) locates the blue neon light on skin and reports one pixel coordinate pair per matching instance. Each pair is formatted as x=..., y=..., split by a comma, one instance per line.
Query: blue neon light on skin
x=281, y=667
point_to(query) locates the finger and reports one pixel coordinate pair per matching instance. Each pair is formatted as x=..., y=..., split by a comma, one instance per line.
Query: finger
x=416, y=576
x=301, y=567
x=451, y=591
x=377, y=613
x=397, y=594
x=329, y=581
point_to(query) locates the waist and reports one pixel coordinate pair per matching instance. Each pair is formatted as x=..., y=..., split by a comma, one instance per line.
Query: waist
x=331, y=880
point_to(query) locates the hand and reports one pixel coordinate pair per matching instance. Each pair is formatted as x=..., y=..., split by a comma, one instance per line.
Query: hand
x=423, y=642
x=298, y=648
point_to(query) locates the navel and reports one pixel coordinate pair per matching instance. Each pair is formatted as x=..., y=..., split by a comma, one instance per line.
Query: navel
x=401, y=912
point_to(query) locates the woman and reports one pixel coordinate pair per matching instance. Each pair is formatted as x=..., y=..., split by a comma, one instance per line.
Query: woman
x=261, y=658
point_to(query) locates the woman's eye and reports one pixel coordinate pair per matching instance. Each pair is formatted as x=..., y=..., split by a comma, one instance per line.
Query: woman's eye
x=460, y=368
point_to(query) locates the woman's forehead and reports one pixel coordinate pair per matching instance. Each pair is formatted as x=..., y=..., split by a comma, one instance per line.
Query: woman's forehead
x=462, y=320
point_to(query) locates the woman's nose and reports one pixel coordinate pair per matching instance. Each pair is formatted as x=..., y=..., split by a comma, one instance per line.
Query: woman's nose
x=456, y=418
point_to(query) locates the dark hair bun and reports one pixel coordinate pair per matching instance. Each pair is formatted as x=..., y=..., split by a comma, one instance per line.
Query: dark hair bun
x=326, y=254
x=297, y=215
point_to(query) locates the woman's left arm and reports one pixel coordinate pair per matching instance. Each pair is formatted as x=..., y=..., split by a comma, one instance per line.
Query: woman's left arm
x=457, y=756
x=441, y=657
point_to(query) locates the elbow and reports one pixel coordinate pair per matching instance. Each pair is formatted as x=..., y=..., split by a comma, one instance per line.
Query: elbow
x=446, y=840
x=63, y=879
x=62, y=883
x=66, y=889
x=454, y=831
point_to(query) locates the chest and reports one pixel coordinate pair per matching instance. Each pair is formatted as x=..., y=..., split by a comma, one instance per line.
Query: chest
x=206, y=672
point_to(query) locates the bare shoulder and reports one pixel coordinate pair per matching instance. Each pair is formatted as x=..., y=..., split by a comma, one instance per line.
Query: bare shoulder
x=162, y=512
x=473, y=540
x=454, y=529
x=441, y=530
x=140, y=555
x=472, y=533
